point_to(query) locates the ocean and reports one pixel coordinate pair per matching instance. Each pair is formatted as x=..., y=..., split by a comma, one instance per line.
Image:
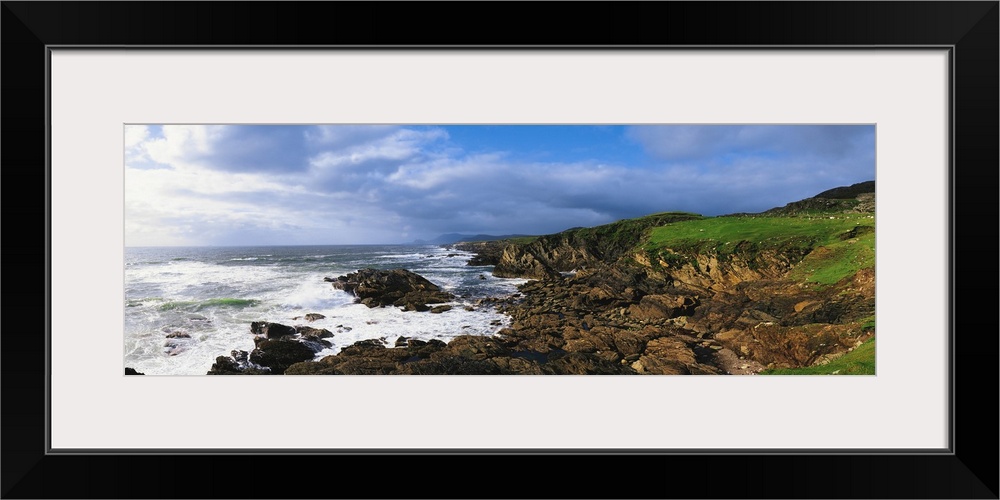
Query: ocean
x=204, y=299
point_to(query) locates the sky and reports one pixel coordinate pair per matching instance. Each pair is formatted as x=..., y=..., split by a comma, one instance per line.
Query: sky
x=220, y=185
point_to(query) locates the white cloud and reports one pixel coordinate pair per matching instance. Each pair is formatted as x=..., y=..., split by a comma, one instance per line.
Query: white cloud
x=362, y=184
x=134, y=134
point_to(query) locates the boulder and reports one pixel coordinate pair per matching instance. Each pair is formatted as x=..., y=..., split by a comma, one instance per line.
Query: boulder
x=665, y=356
x=278, y=355
x=663, y=306
x=131, y=371
x=308, y=331
x=225, y=365
x=472, y=347
x=399, y=287
x=315, y=344
x=271, y=330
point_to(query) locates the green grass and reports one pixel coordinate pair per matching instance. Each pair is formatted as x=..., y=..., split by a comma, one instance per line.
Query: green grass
x=612, y=241
x=836, y=261
x=860, y=361
x=795, y=237
x=522, y=240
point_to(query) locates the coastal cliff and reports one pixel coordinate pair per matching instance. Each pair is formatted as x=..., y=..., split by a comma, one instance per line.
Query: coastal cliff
x=789, y=290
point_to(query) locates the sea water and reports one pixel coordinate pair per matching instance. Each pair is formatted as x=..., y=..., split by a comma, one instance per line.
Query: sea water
x=206, y=297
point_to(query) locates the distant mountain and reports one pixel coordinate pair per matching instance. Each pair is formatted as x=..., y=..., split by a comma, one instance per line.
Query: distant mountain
x=446, y=239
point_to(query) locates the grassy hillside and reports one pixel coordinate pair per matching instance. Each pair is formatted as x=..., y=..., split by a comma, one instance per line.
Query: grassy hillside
x=611, y=241
x=860, y=361
x=830, y=246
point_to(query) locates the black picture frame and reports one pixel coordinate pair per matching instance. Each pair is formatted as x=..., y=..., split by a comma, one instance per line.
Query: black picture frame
x=970, y=470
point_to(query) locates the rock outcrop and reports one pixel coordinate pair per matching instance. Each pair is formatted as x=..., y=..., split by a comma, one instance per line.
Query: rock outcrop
x=397, y=287
x=276, y=347
x=580, y=248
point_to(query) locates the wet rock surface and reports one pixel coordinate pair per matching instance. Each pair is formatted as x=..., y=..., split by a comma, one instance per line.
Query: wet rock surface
x=397, y=287
x=276, y=347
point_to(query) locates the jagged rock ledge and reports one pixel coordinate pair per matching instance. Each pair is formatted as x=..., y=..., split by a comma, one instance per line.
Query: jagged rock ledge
x=397, y=287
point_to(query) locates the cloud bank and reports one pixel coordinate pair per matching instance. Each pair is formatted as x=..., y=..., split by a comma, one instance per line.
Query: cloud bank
x=336, y=184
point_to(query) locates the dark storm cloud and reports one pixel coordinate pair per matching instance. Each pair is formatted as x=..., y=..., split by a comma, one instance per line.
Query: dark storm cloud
x=358, y=184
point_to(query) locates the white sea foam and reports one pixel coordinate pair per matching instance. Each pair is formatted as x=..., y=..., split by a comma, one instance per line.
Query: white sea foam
x=358, y=322
x=212, y=302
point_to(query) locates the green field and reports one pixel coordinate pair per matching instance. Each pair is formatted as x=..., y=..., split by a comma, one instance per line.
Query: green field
x=826, y=248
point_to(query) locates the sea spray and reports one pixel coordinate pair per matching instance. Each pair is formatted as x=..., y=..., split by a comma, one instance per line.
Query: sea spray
x=206, y=299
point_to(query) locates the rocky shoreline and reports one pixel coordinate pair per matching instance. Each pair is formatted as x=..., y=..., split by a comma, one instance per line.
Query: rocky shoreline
x=605, y=319
x=595, y=303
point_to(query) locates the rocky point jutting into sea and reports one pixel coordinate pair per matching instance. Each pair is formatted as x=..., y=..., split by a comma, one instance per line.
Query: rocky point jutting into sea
x=670, y=293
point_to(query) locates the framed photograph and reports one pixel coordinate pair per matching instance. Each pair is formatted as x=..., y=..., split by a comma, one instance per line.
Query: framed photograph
x=174, y=163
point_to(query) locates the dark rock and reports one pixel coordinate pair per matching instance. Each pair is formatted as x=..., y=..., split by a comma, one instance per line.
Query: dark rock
x=131, y=371
x=487, y=253
x=473, y=347
x=369, y=347
x=178, y=335
x=308, y=331
x=440, y=309
x=421, y=349
x=280, y=354
x=311, y=368
x=453, y=366
x=271, y=330
x=663, y=306
x=753, y=317
x=416, y=306
x=576, y=363
x=665, y=356
x=314, y=316
x=229, y=366
x=402, y=342
x=377, y=283
x=315, y=344
x=365, y=365
x=238, y=363
x=225, y=366
x=399, y=287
